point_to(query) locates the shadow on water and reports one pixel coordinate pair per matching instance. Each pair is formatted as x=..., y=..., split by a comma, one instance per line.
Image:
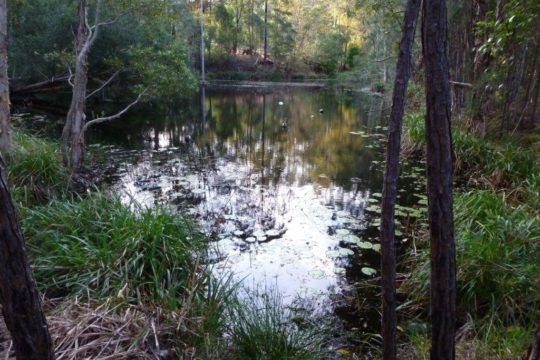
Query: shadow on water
x=287, y=183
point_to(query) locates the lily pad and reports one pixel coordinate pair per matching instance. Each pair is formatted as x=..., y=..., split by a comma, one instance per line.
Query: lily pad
x=332, y=254
x=238, y=233
x=365, y=245
x=352, y=239
x=250, y=240
x=339, y=271
x=345, y=252
x=376, y=247
x=342, y=232
x=317, y=274
x=368, y=271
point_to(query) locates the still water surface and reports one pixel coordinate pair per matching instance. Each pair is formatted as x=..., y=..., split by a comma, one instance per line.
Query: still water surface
x=286, y=182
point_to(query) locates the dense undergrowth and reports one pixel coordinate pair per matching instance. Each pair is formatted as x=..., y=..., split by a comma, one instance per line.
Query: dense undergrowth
x=497, y=243
x=132, y=283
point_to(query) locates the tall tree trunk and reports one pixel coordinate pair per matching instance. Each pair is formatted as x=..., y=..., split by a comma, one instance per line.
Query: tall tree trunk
x=21, y=304
x=265, y=29
x=395, y=125
x=481, y=61
x=203, y=70
x=5, y=127
x=439, y=182
x=72, y=136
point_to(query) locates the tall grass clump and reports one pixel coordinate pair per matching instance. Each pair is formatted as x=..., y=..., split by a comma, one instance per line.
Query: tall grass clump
x=263, y=328
x=96, y=246
x=34, y=169
x=497, y=246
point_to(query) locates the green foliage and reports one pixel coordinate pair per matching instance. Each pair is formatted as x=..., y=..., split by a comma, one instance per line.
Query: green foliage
x=353, y=56
x=163, y=71
x=331, y=51
x=34, y=168
x=97, y=246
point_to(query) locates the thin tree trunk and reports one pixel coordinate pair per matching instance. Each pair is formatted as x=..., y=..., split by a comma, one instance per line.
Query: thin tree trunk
x=265, y=29
x=5, y=126
x=72, y=135
x=388, y=247
x=21, y=304
x=203, y=70
x=439, y=182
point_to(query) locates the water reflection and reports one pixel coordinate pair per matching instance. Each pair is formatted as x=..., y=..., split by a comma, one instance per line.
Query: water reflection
x=280, y=180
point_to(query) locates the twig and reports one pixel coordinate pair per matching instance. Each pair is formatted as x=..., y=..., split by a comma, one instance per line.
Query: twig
x=103, y=85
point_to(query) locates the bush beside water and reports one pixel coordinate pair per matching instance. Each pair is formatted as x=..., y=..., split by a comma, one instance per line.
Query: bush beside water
x=497, y=244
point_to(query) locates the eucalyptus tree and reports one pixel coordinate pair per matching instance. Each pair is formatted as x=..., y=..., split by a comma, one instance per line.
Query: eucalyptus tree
x=439, y=179
x=395, y=126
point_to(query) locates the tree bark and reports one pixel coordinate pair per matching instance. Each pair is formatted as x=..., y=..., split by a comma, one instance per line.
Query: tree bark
x=21, y=304
x=439, y=182
x=5, y=126
x=265, y=29
x=395, y=125
x=203, y=65
x=72, y=135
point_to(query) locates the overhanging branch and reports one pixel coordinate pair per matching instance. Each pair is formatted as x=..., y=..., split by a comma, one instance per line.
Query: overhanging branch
x=115, y=116
x=103, y=85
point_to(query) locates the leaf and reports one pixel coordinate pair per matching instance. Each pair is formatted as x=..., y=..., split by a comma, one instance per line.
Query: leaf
x=345, y=252
x=368, y=271
x=352, y=239
x=365, y=245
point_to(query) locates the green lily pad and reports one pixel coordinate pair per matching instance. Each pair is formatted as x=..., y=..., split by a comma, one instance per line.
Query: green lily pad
x=376, y=247
x=365, y=245
x=342, y=232
x=368, y=271
x=345, y=252
x=352, y=239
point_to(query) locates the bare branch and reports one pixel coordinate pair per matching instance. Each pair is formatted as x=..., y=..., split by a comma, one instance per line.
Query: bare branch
x=115, y=116
x=461, y=84
x=385, y=59
x=103, y=85
x=70, y=77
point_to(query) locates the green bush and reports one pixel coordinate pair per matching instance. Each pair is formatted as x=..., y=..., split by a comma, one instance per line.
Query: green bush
x=97, y=246
x=34, y=169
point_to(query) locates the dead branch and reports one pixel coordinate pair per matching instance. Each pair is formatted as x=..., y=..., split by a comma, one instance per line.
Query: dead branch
x=103, y=85
x=461, y=84
x=115, y=116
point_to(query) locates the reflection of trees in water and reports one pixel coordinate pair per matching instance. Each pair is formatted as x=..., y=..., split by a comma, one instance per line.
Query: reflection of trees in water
x=315, y=147
x=247, y=127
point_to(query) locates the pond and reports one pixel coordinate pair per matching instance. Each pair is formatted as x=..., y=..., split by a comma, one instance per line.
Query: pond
x=286, y=182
